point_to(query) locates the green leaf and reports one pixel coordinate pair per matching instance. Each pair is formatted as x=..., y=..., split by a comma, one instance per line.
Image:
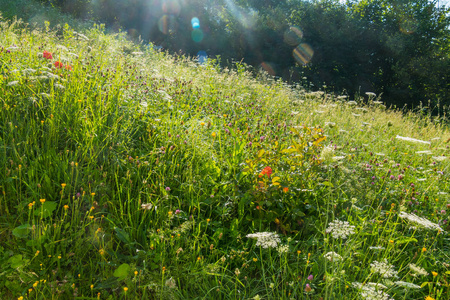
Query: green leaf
x=16, y=261
x=327, y=183
x=424, y=284
x=122, y=235
x=22, y=231
x=405, y=240
x=46, y=209
x=260, y=153
x=122, y=271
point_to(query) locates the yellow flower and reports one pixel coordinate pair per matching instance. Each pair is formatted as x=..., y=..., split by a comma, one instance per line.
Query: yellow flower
x=35, y=284
x=92, y=286
x=424, y=249
x=255, y=259
x=42, y=200
x=66, y=207
x=434, y=273
x=92, y=194
x=125, y=289
x=20, y=298
x=429, y=298
x=63, y=185
x=136, y=273
x=207, y=220
x=213, y=134
x=202, y=123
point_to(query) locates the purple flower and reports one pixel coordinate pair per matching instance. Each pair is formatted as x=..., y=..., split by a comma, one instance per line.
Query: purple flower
x=392, y=177
x=308, y=288
x=262, y=138
x=177, y=211
x=310, y=277
x=167, y=188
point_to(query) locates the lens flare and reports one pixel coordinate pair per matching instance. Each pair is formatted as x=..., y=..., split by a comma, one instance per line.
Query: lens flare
x=268, y=68
x=197, y=35
x=202, y=57
x=293, y=36
x=171, y=7
x=167, y=23
x=303, y=53
x=195, y=22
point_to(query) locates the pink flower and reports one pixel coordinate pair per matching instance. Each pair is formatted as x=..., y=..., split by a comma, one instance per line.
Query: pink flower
x=47, y=55
x=310, y=277
x=308, y=288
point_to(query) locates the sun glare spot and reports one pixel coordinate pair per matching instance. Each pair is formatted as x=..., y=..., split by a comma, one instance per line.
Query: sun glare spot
x=303, y=53
x=195, y=22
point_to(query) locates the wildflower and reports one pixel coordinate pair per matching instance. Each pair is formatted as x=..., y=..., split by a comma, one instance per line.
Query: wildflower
x=125, y=289
x=63, y=185
x=47, y=55
x=370, y=292
x=265, y=239
x=167, y=188
x=266, y=171
x=147, y=206
x=213, y=134
x=308, y=288
x=327, y=154
x=237, y=272
x=383, y=268
x=422, y=222
x=58, y=64
x=68, y=67
x=407, y=284
x=285, y=189
x=429, y=298
x=408, y=139
x=434, y=274
x=332, y=256
x=310, y=277
x=417, y=270
x=170, y=283
x=13, y=83
x=340, y=229
x=283, y=249
x=42, y=200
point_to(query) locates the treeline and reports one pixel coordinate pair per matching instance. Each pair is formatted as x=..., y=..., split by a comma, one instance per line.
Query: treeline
x=398, y=48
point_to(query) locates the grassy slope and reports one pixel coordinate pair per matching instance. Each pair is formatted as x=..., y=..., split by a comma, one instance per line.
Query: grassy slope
x=83, y=149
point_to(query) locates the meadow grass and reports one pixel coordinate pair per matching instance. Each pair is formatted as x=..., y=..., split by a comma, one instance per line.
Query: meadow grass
x=132, y=174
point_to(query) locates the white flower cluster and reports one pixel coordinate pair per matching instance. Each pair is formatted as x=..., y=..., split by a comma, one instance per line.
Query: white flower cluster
x=332, y=256
x=265, y=239
x=418, y=270
x=371, y=291
x=408, y=139
x=340, y=229
x=408, y=285
x=422, y=222
x=327, y=154
x=383, y=268
x=283, y=249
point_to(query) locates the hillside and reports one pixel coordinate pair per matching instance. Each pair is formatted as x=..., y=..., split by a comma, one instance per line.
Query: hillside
x=132, y=174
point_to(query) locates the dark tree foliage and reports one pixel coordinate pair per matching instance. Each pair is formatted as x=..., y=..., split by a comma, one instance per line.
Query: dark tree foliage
x=399, y=48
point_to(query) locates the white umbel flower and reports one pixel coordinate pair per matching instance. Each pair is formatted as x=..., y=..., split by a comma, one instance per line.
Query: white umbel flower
x=408, y=285
x=265, y=239
x=332, y=256
x=408, y=139
x=340, y=229
x=383, y=268
x=421, y=222
x=370, y=291
x=417, y=270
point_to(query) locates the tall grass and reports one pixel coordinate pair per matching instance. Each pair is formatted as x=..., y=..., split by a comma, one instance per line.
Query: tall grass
x=131, y=174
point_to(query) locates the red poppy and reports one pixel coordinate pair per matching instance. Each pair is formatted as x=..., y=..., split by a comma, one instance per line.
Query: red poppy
x=69, y=67
x=47, y=55
x=58, y=64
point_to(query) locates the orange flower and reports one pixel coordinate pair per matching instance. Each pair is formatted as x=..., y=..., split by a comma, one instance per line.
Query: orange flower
x=285, y=189
x=58, y=64
x=47, y=55
x=68, y=67
x=267, y=171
